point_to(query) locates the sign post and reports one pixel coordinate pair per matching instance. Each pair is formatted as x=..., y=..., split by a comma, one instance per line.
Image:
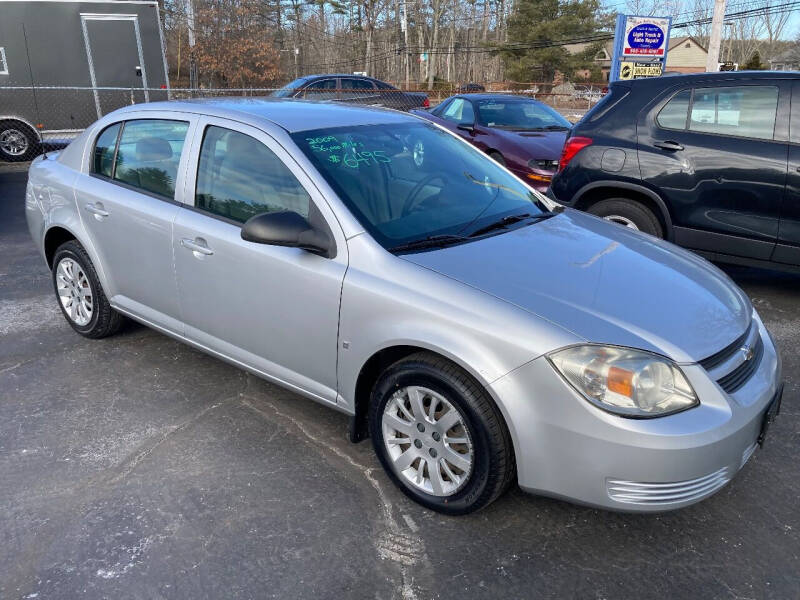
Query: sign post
x=640, y=47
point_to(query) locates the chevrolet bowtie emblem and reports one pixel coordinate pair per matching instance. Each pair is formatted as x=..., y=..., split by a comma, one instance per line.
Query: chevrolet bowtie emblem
x=747, y=351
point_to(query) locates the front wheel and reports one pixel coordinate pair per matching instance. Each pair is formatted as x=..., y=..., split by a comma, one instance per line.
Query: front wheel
x=439, y=436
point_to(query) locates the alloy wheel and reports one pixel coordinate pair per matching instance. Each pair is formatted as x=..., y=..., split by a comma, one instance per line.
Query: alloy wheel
x=13, y=142
x=427, y=441
x=620, y=220
x=74, y=292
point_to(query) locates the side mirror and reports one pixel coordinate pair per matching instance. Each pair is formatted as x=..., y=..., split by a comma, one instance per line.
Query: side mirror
x=287, y=228
x=469, y=127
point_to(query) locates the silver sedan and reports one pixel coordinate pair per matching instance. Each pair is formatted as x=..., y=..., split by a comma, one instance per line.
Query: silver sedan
x=378, y=264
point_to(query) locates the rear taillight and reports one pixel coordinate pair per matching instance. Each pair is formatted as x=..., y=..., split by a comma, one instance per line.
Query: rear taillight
x=426, y=103
x=572, y=146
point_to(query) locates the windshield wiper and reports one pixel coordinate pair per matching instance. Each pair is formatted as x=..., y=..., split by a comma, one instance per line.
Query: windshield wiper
x=432, y=241
x=510, y=220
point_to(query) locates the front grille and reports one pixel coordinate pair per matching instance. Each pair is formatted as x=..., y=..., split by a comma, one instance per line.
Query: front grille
x=657, y=494
x=739, y=376
x=727, y=352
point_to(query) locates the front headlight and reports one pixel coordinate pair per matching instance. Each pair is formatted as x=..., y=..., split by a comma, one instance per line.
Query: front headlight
x=627, y=382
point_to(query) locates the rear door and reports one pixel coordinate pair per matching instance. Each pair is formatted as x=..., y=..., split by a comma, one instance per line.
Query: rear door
x=127, y=204
x=717, y=154
x=788, y=248
x=358, y=91
x=114, y=51
x=274, y=309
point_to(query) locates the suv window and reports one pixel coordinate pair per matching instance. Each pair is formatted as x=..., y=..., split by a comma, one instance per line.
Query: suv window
x=148, y=154
x=747, y=111
x=674, y=113
x=239, y=177
x=459, y=111
x=103, y=160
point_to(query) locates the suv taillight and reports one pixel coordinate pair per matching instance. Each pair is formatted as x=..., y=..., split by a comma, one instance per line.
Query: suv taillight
x=572, y=146
x=426, y=103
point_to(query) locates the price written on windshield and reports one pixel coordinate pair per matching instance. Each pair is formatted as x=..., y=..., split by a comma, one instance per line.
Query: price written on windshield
x=351, y=155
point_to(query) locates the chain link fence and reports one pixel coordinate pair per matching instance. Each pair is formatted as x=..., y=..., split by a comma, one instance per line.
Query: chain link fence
x=33, y=119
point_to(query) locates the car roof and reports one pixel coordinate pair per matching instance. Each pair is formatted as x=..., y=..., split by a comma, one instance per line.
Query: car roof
x=289, y=114
x=490, y=96
x=733, y=76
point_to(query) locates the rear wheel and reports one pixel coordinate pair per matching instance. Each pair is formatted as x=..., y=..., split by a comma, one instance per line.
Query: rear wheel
x=628, y=213
x=80, y=295
x=18, y=142
x=439, y=436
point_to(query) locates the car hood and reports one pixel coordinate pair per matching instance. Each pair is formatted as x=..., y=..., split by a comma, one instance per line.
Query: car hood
x=543, y=145
x=604, y=283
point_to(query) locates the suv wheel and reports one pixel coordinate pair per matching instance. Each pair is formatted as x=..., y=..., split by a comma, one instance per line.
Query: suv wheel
x=79, y=294
x=628, y=213
x=439, y=436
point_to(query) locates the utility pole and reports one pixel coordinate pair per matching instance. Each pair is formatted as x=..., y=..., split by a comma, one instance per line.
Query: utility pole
x=190, y=26
x=712, y=60
x=404, y=29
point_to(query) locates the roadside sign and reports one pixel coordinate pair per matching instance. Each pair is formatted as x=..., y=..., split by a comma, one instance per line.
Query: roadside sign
x=637, y=70
x=640, y=47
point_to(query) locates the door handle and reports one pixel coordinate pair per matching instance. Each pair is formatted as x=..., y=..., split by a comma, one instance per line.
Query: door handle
x=197, y=246
x=668, y=145
x=97, y=210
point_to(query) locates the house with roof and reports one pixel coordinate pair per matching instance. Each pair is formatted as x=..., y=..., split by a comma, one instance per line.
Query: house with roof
x=685, y=55
x=786, y=61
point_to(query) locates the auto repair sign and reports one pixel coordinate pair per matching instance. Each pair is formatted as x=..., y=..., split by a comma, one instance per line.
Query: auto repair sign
x=645, y=37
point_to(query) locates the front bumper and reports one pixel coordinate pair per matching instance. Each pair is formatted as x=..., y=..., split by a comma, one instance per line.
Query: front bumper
x=565, y=447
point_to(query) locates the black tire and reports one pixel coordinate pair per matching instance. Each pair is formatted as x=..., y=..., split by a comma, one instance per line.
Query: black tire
x=493, y=468
x=497, y=157
x=635, y=212
x=12, y=134
x=104, y=320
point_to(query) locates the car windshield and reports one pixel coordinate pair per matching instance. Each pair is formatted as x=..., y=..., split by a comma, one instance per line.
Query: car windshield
x=412, y=181
x=289, y=88
x=519, y=114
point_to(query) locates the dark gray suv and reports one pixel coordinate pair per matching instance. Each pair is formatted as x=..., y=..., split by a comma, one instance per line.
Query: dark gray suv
x=709, y=161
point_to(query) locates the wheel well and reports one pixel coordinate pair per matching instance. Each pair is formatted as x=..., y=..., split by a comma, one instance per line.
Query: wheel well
x=595, y=195
x=52, y=240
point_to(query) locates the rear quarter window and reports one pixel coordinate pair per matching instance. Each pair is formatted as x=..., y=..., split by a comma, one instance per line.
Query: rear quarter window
x=615, y=95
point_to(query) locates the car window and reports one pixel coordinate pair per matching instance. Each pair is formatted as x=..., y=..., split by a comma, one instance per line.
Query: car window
x=459, y=111
x=239, y=177
x=441, y=108
x=674, y=113
x=325, y=89
x=519, y=114
x=148, y=154
x=103, y=161
x=356, y=84
x=382, y=85
x=747, y=111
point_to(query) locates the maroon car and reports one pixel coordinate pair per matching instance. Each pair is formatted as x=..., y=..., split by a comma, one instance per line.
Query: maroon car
x=521, y=133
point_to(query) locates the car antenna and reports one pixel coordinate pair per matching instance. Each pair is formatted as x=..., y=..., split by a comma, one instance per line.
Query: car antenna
x=33, y=88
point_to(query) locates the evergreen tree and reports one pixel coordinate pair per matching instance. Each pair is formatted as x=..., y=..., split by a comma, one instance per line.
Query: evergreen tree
x=754, y=63
x=541, y=22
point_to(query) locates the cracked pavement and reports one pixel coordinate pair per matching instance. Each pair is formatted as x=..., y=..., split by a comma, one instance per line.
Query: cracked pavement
x=136, y=467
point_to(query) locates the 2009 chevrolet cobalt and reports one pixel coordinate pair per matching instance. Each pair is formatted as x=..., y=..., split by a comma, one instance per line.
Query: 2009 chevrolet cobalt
x=380, y=265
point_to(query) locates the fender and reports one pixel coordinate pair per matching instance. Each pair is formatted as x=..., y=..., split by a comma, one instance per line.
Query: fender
x=24, y=122
x=634, y=187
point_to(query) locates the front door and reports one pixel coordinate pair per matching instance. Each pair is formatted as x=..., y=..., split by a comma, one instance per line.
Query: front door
x=273, y=309
x=717, y=154
x=127, y=203
x=114, y=52
x=788, y=248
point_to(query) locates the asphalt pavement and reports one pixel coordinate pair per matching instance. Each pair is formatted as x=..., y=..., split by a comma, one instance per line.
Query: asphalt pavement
x=137, y=467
